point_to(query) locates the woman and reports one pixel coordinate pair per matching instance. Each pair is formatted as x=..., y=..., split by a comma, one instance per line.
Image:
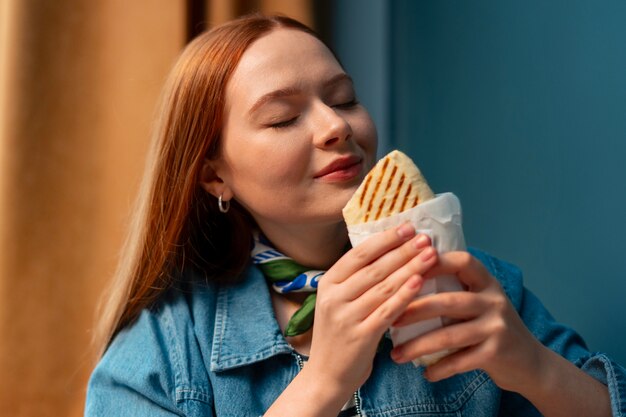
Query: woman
x=261, y=135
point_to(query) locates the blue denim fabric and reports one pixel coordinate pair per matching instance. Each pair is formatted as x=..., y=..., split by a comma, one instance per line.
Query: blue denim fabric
x=213, y=350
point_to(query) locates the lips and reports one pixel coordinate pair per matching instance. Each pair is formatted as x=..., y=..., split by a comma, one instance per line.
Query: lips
x=341, y=168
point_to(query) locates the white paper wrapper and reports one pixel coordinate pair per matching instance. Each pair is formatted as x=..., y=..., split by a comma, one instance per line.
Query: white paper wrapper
x=440, y=218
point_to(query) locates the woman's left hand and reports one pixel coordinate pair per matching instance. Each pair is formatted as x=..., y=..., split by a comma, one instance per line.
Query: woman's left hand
x=489, y=335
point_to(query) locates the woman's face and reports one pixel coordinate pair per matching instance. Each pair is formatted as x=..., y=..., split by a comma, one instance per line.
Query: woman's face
x=296, y=144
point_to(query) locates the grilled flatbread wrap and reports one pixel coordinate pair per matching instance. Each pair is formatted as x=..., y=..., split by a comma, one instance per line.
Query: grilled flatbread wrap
x=395, y=192
x=394, y=185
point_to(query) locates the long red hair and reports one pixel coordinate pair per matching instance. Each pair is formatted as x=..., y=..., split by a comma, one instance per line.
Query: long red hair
x=176, y=224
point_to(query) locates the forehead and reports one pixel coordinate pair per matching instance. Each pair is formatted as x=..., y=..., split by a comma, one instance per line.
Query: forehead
x=282, y=58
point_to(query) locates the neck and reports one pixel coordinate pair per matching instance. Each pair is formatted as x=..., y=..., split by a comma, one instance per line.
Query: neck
x=314, y=246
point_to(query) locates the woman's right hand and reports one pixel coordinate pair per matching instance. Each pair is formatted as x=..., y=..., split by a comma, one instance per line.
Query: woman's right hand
x=359, y=298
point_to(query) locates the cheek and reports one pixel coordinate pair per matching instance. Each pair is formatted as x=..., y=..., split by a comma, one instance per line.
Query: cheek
x=266, y=180
x=366, y=137
x=260, y=163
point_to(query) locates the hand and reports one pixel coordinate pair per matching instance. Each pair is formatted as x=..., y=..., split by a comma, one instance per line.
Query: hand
x=490, y=334
x=359, y=298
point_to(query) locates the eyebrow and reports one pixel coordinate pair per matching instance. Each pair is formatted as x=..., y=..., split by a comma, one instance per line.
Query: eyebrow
x=291, y=91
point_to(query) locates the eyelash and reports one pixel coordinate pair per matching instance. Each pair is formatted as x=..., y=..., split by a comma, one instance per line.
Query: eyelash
x=347, y=105
x=281, y=125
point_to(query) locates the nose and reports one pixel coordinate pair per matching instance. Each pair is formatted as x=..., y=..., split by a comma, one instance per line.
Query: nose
x=331, y=128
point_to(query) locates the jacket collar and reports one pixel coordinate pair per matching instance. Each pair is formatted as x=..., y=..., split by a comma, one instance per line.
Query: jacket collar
x=246, y=330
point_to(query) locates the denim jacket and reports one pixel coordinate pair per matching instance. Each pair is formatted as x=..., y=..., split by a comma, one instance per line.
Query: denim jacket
x=218, y=351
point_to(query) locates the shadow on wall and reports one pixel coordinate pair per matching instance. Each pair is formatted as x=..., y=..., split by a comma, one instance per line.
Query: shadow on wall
x=518, y=108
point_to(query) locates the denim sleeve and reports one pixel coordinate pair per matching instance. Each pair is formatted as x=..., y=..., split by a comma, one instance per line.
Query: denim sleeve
x=143, y=373
x=558, y=337
x=571, y=346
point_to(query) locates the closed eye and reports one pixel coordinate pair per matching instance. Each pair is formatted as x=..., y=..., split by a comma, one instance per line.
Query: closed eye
x=347, y=105
x=283, y=124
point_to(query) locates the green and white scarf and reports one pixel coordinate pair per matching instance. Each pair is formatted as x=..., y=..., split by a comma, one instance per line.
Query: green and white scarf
x=287, y=276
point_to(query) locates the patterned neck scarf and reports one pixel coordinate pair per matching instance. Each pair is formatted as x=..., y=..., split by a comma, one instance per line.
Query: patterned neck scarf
x=287, y=276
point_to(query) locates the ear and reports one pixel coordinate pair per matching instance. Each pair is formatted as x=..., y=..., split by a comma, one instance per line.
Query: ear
x=211, y=181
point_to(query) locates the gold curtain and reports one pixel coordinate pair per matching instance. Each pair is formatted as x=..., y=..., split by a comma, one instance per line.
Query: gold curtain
x=78, y=84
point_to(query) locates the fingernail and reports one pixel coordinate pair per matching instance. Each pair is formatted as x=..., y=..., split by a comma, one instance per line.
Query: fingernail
x=414, y=281
x=427, y=254
x=398, y=322
x=422, y=241
x=406, y=230
x=396, y=354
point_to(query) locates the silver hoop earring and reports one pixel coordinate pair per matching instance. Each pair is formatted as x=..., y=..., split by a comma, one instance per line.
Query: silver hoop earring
x=223, y=205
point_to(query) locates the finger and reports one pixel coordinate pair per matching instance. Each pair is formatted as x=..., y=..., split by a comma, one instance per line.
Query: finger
x=461, y=305
x=381, y=318
x=368, y=251
x=468, y=269
x=452, y=337
x=464, y=360
x=406, y=257
x=383, y=290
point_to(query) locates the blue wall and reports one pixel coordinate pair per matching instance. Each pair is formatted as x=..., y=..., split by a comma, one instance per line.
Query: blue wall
x=520, y=109
x=361, y=40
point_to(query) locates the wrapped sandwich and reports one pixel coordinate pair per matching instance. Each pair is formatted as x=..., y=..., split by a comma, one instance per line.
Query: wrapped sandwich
x=395, y=192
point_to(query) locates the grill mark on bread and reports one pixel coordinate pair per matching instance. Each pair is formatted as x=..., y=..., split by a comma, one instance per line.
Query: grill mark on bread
x=406, y=197
x=380, y=178
x=367, y=213
x=392, y=176
x=367, y=183
x=376, y=187
x=416, y=201
x=380, y=209
x=395, y=196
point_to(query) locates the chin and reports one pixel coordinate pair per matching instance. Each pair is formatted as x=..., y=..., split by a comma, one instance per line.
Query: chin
x=342, y=197
x=338, y=203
